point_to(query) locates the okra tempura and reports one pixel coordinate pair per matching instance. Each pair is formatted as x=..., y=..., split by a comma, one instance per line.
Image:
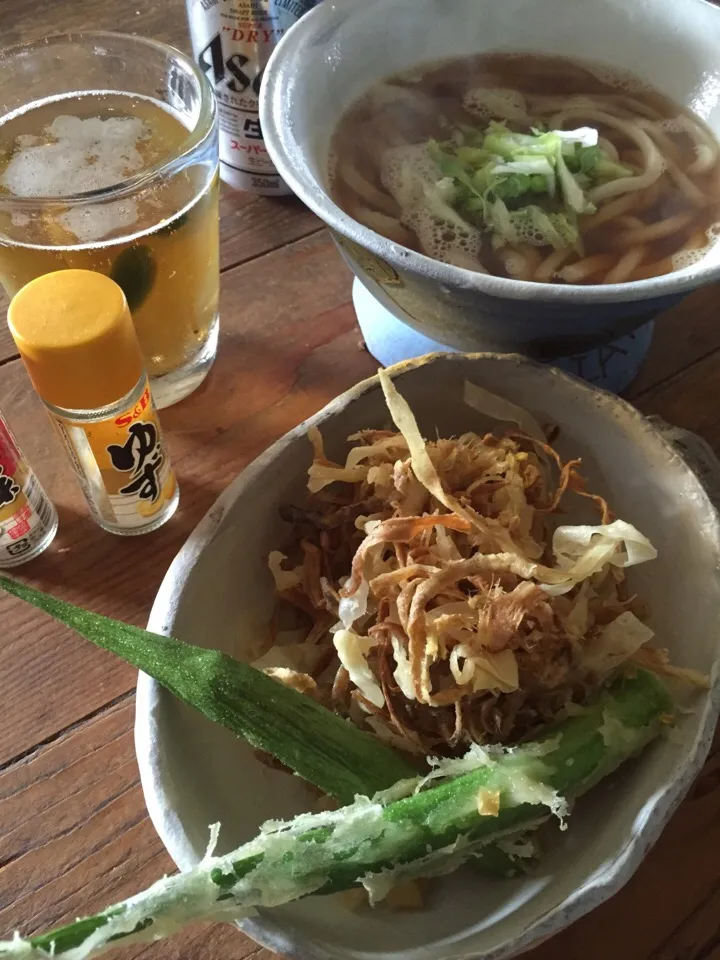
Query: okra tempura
x=442, y=605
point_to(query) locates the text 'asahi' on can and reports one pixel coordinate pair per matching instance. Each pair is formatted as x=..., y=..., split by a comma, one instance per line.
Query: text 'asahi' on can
x=76, y=337
x=232, y=41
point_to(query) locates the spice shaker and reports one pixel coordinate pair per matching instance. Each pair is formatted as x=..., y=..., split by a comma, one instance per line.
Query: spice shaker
x=232, y=41
x=76, y=337
x=28, y=520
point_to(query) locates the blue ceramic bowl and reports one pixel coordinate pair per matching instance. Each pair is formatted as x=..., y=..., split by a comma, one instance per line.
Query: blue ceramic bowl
x=340, y=49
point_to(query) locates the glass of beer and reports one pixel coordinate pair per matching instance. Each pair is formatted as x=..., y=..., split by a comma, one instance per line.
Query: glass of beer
x=109, y=162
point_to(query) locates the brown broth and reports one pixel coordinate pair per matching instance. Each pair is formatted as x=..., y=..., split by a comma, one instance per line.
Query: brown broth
x=656, y=229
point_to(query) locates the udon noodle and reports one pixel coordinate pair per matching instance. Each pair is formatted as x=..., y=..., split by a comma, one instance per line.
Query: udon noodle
x=529, y=167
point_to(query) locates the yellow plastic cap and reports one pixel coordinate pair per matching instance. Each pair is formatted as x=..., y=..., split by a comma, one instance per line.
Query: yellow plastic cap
x=76, y=337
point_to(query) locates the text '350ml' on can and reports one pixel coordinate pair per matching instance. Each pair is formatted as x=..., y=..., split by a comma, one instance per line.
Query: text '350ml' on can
x=232, y=41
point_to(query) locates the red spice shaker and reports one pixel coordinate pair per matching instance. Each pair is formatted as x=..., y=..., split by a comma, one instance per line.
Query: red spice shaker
x=28, y=520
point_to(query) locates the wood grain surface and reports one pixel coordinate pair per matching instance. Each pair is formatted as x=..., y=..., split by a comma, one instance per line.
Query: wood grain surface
x=74, y=834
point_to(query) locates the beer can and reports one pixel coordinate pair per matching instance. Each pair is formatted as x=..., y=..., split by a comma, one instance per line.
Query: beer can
x=28, y=520
x=232, y=41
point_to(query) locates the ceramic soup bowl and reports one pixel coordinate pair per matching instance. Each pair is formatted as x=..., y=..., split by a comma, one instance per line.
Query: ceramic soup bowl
x=340, y=49
x=219, y=593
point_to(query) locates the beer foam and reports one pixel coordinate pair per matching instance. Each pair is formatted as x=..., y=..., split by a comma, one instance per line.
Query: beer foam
x=93, y=222
x=75, y=155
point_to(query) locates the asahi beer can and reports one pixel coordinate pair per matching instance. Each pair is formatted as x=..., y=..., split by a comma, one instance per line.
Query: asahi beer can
x=232, y=41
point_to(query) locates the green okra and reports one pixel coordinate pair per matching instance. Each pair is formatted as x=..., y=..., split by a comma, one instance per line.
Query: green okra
x=312, y=741
x=318, y=745
x=413, y=829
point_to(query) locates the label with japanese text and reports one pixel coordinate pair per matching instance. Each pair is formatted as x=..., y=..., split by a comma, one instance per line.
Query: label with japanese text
x=26, y=515
x=232, y=42
x=122, y=464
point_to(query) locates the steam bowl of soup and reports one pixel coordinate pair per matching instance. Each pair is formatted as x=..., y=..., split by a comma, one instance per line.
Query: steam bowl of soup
x=541, y=178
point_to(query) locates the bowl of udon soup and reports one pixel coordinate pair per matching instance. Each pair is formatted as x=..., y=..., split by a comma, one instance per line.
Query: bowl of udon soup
x=542, y=177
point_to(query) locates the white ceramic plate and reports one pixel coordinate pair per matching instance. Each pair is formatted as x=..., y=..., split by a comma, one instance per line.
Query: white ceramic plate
x=218, y=593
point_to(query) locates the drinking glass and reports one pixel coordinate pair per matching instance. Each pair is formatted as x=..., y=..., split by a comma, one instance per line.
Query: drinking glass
x=109, y=162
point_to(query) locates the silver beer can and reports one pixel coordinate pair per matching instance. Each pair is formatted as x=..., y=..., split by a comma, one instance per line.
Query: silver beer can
x=232, y=41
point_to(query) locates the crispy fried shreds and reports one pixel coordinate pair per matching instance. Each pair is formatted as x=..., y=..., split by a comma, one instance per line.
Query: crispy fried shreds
x=284, y=579
x=440, y=602
x=322, y=474
x=340, y=689
x=302, y=682
x=315, y=438
x=577, y=484
x=500, y=617
x=312, y=572
x=568, y=477
x=396, y=530
x=498, y=408
x=488, y=803
x=658, y=660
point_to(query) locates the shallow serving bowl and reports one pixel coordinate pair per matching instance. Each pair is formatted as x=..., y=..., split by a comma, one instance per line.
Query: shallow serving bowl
x=339, y=50
x=219, y=593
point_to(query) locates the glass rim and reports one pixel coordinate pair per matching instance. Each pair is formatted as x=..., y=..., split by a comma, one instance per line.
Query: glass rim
x=166, y=167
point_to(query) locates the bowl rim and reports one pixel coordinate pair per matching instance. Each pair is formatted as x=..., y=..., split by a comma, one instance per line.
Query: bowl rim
x=288, y=157
x=265, y=928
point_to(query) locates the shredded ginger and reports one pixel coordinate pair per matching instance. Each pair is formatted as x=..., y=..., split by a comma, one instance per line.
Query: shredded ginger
x=446, y=604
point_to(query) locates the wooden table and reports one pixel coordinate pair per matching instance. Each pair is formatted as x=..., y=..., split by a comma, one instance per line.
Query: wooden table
x=74, y=834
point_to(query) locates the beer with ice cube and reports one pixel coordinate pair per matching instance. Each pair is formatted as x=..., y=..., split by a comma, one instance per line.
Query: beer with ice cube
x=124, y=183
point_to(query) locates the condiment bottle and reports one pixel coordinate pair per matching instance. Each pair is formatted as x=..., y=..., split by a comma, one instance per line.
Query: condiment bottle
x=28, y=520
x=75, y=335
